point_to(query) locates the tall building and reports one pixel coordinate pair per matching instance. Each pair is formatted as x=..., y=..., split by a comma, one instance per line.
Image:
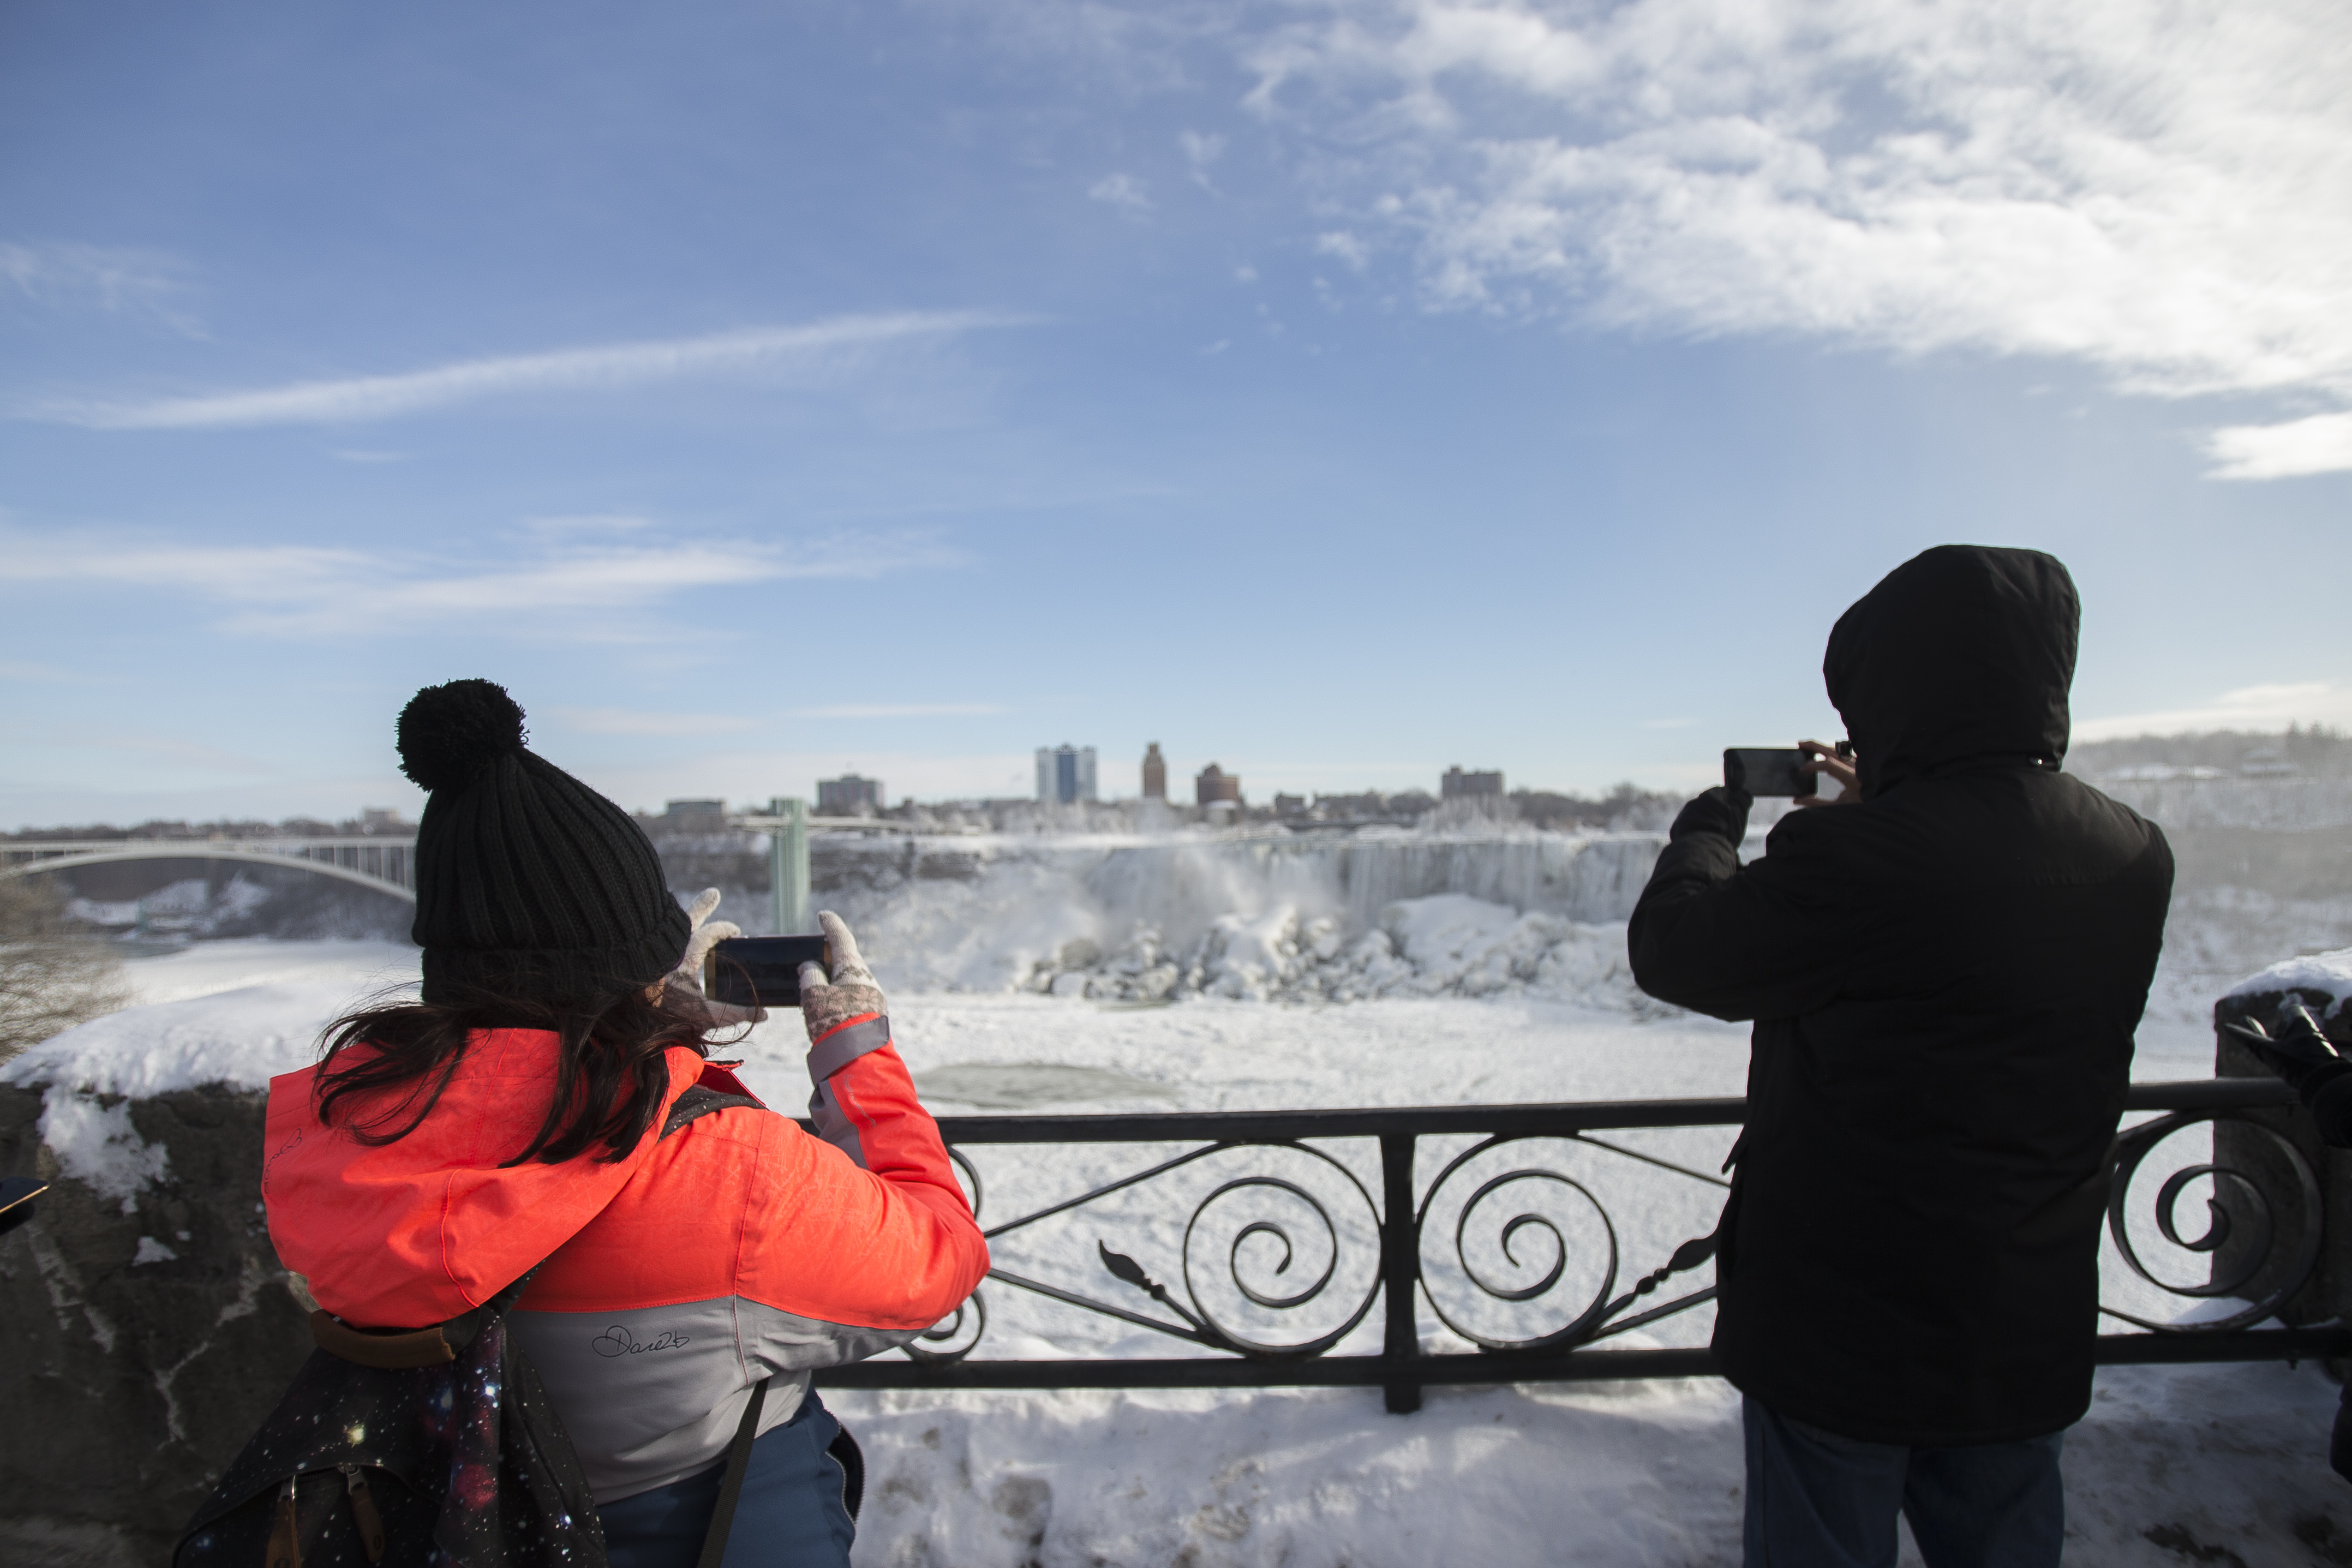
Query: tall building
x=1213, y=784
x=848, y=795
x=1155, y=773
x=1459, y=785
x=1065, y=774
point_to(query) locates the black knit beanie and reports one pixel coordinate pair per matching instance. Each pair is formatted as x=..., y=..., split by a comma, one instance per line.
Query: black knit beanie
x=530, y=885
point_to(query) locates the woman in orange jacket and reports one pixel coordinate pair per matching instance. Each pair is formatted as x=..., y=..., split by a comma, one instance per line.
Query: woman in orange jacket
x=548, y=1105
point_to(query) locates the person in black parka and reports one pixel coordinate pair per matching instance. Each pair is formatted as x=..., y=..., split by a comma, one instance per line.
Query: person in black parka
x=1945, y=974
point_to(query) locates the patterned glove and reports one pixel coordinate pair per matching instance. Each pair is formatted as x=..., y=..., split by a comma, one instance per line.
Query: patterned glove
x=683, y=988
x=830, y=1001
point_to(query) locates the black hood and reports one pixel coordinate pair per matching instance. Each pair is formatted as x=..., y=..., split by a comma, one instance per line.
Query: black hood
x=1963, y=651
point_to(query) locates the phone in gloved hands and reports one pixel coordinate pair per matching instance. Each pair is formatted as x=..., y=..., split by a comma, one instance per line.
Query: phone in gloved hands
x=761, y=971
x=1762, y=770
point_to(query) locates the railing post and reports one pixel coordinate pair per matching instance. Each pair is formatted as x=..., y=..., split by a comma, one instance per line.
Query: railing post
x=788, y=864
x=2240, y=1147
x=1399, y=1273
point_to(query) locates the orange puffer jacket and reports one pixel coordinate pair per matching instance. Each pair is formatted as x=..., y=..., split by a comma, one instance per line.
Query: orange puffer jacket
x=728, y=1248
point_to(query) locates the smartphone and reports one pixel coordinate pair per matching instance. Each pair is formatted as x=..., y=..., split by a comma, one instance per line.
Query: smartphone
x=1761, y=770
x=761, y=971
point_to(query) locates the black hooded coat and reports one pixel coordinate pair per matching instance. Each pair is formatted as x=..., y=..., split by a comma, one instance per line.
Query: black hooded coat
x=1945, y=978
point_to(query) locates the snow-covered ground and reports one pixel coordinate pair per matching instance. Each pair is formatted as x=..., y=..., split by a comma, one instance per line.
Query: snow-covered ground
x=2173, y=1465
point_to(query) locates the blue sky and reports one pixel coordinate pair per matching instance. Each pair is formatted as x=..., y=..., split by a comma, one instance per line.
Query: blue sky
x=1335, y=391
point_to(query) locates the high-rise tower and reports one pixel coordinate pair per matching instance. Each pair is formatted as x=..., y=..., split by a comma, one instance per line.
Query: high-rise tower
x=1065, y=774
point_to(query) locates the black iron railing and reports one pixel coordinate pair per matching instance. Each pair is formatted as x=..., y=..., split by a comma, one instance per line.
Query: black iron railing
x=1279, y=1196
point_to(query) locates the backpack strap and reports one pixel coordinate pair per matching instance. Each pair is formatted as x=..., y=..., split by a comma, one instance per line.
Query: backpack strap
x=739, y=1460
x=699, y=1100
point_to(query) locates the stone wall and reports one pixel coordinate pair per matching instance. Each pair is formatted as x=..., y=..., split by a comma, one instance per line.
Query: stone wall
x=148, y=1335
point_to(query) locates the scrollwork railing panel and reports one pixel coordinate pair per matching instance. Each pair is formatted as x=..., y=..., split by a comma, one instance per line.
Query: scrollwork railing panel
x=1240, y=1248
x=2260, y=1223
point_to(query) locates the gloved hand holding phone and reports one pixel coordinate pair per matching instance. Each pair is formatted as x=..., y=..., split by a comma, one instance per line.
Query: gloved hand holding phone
x=829, y=1001
x=684, y=983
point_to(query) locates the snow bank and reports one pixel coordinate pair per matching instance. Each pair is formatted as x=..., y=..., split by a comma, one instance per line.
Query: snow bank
x=2329, y=973
x=241, y=1037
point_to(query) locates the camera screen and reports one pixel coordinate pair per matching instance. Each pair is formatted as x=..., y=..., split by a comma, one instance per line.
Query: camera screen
x=1767, y=771
x=759, y=971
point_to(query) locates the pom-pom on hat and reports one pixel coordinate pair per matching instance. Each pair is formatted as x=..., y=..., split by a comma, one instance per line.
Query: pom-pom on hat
x=530, y=885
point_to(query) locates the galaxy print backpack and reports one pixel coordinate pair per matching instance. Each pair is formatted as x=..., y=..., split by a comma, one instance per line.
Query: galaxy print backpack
x=435, y=1446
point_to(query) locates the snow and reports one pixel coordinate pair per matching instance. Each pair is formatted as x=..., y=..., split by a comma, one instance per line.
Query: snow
x=97, y=1145
x=1461, y=1000
x=228, y=1012
x=2222, y=1456
x=2330, y=974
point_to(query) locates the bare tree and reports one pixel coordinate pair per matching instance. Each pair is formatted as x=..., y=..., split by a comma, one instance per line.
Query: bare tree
x=52, y=974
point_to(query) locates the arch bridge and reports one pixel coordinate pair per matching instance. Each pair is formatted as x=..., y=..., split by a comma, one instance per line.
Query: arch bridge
x=383, y=864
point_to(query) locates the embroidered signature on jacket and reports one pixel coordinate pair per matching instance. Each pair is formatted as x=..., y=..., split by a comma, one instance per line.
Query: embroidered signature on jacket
x=617, y=1341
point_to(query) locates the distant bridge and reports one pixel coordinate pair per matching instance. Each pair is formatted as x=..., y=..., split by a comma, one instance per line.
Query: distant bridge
x=384, y=865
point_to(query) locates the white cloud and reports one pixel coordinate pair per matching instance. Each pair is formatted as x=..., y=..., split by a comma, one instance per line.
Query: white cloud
x=361, y=399
x=2319, y=445
x=1200, y=153
x=2160, y=188
x=632, y=722
x=111, y=279
x=1122, y=191
x=1346, y=247
x=557, y=588
x=2247, y=707
x=899, y=711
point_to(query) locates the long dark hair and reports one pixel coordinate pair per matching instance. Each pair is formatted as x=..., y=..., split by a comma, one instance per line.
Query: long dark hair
x=611, y=1072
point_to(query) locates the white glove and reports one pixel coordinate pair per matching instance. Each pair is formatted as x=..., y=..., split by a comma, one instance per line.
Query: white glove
x=829, y=1001
x=685, y=982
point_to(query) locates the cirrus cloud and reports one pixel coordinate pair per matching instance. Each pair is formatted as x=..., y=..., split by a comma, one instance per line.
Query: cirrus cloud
x=359, y=399
x=553, y=588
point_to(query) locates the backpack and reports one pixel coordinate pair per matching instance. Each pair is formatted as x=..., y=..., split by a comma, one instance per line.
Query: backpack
x=436, y=1445
x=431, y=1449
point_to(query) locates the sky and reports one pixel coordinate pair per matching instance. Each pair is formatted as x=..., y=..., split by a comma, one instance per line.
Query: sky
x=1335, y=391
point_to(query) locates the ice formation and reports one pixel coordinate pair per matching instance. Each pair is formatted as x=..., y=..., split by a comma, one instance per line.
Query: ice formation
x=1447, y=944
x=1144, y=920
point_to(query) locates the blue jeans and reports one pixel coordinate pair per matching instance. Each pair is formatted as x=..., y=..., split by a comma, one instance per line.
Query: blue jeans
x=1818, y=1500
x=790, y=1513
